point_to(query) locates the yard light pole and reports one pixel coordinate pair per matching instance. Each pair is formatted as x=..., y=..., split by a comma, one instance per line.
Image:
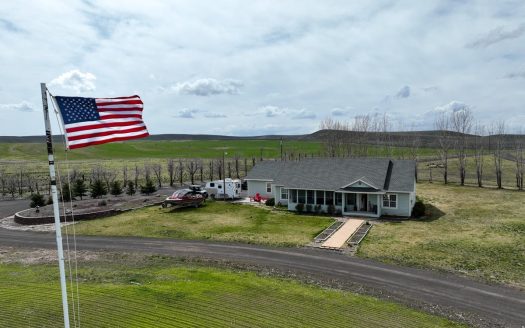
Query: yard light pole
x=224, y=175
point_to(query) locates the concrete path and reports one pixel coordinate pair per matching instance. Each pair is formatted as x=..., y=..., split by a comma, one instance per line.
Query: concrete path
x=339, y=238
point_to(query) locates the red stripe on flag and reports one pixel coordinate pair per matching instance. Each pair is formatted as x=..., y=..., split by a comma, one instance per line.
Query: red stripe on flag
x=107, y=117
x=101, y=125
x=105, y=133
x=119, y=109
x=108, y=140
x=122, y=102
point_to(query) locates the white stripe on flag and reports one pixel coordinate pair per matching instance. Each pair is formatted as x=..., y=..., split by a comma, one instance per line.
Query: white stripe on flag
x=135, y=112
x=108, y=121
x=121, y=106
x=107, y=100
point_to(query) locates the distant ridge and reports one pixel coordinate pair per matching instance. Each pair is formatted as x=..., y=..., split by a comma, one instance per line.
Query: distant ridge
x=396, y=138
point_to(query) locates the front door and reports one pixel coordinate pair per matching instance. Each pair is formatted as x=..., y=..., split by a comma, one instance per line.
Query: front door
x=364, y=203
x=351, y=203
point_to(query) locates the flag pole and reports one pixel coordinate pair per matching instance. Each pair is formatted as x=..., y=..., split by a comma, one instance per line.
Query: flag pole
x=56, y=211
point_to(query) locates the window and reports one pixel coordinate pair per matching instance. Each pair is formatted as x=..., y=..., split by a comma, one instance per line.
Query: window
x=338, y=198
x=390, y=200
x=284, y=193
x=219, y=186
x=268, y=187
x=301, y=196
x=212, y=184
x=329, y=197
x=294, y=195
x=319, y=197
x=309, y=197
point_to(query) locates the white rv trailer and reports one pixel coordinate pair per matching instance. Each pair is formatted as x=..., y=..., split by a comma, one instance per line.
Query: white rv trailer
x=216, y=189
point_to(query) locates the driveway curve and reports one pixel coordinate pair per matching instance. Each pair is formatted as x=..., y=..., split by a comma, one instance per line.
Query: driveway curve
x=477, y=303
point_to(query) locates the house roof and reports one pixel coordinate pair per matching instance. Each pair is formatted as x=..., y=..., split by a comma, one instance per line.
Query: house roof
x=337, y=173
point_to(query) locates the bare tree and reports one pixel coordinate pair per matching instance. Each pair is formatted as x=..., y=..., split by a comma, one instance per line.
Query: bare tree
x=11, y=185
x=442, y=124
x=180, y=172
x=201, y=170
x=171, y=171
x=237, y=164
x=157, y=170
x=229, y=169
x=497, y=131
x=210, y=169
x=137, y=175
x=246, y=166
x=125, y=175
x=461, y=122
x=479, y=132
x=519, y=158
x=192, y=170
x=218, y=168
x=414, y=152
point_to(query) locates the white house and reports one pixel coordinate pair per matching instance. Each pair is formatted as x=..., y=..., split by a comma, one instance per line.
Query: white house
x=369, y=187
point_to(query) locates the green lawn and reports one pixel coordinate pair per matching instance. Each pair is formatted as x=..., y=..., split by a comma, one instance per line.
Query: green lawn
x=161, y=292
x=215, y=221
x=478, y=232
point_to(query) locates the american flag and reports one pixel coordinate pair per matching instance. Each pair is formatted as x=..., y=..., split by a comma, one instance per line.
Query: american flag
x=95, y=121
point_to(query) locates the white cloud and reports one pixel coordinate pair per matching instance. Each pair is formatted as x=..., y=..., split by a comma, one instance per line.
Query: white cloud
x=23, y=106
x=272, y=111
x=215, y=115
x=304, y=114
x=339, y=112
x=497, y=35
x=75, y=80
x=187, y=113
x=404, y=92
x=452, y=107
x=208, y=87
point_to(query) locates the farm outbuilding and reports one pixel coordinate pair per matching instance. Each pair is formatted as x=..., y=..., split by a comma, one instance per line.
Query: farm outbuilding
x=369, y=187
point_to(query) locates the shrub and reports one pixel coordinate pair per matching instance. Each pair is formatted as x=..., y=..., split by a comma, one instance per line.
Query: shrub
x=317, y=208
x=102, y=203
x=116, y=189
x=330, y=209
x=148, y=188
x=299, y=207
x=50, y=200
x=419, y=209
x=37, y=200
x=130, y=190
x=308, y=208
x=79, y=189
x=270, y=202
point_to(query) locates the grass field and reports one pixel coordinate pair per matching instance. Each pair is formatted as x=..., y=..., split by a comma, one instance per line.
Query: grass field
x=478, y=232
x=161, y=292
x=215, y=221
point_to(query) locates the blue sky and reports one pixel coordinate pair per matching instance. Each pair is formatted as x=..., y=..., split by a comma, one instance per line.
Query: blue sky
x=265, y=67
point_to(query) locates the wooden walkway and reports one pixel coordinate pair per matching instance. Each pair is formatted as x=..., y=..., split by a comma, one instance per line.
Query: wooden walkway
x=339, y=238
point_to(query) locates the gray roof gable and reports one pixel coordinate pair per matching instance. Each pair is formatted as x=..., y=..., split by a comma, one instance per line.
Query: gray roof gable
x=336, y=173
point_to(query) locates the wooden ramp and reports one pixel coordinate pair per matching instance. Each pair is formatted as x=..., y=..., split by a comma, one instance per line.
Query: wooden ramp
x=338, y=239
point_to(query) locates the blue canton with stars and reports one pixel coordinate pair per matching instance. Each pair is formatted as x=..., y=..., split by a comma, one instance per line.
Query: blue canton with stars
x=77, y=109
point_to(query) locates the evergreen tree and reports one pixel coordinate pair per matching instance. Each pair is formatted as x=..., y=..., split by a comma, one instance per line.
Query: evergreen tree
x=37, y=200
x=79, y=189
x=148, y=188
x=130, y=190
x=98, y=188
x=116, y=188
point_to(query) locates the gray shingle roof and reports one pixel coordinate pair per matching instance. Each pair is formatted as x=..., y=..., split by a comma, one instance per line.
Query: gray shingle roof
x=336, y=173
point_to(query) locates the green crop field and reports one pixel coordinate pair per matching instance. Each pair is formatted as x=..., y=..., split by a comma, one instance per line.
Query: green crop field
x=474, y=231
x=122, y=291
x=215, y=221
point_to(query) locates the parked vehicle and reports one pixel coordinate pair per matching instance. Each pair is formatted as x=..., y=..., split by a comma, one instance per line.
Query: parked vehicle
x=216, y=189
x=200, y=190
x=184, y=198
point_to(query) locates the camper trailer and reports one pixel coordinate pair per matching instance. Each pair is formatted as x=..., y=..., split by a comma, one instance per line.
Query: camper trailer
x=216, y=189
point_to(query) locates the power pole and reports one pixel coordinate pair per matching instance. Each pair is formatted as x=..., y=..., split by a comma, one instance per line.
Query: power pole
x=224, y=175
